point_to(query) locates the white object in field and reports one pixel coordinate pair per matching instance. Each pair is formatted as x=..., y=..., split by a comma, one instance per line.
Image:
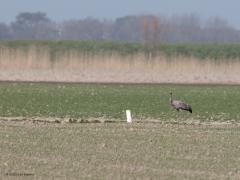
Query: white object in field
x=129, y=117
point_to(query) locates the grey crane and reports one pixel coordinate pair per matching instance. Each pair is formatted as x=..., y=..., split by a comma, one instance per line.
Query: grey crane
x=180, y=105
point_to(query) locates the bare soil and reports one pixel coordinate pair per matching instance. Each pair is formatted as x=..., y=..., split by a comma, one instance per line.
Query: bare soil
x=35, y=75
x=118, y=151
x=55, y=120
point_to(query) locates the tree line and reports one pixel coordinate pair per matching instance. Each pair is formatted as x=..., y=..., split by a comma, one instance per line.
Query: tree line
x=149, y=29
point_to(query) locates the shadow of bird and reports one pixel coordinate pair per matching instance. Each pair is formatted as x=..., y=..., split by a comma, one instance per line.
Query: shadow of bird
x=178, y=105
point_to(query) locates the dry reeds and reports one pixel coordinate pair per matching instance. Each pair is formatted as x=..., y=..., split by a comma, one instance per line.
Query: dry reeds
x=39, y=63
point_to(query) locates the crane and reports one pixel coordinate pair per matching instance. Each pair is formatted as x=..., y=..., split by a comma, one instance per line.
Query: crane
x=180, y=105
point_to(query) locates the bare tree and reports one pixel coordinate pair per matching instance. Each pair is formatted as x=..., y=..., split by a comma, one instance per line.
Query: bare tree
x=86, y=29
x=150, y=29
x=128, y=29
x=5, y=32
x=218, y=30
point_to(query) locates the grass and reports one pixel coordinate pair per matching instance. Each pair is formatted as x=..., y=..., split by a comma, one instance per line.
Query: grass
x=209, y=103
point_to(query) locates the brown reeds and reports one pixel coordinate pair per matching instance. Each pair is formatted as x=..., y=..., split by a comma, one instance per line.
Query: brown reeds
x=37, y=64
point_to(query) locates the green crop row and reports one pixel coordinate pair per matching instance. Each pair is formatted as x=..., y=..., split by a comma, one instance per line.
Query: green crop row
x=200, y=51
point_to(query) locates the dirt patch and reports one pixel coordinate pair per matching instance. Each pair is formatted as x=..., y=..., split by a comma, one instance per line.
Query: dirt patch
x=119, y=151
x=114, y=76
x=52, y=120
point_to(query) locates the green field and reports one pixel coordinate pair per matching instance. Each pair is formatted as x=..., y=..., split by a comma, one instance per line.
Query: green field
x=199, y=51
x=219, y=103
x=160, y=144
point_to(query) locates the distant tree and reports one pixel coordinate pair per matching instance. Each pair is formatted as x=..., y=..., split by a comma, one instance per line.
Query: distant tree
x=5, y=32
x=218, y=30
x=86, y=29
x=149, y=29
x=31, y=19
x=34, y=26
x=185, y=29
x=154, y=29
x=107, y=29
x=127, y=29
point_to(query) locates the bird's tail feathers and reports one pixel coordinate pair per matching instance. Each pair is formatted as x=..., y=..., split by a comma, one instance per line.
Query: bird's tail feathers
x=190, y=109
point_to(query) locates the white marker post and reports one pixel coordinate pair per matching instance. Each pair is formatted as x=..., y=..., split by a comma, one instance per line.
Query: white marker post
x=129, y=117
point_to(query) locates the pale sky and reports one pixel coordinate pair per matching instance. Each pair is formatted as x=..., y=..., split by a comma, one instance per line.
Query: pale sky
x=59, y=10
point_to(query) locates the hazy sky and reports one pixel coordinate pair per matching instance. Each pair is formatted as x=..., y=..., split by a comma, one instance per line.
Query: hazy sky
x=59, y=10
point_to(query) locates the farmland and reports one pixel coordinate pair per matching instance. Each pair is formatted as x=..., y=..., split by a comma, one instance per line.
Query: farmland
x=160, y=143
x=119, y=151
x=110, y=101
